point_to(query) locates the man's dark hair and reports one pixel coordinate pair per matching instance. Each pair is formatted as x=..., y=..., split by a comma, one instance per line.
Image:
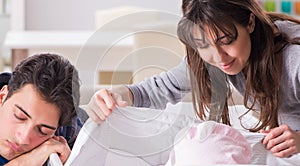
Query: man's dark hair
x=54, y=78
x=4, y=78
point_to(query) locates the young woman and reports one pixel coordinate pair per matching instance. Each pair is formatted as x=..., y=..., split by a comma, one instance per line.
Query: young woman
x=228, y=42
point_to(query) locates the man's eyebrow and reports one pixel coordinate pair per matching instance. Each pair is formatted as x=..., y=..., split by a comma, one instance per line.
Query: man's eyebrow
x=42, y=125
x=21, y=109
x=47, y=126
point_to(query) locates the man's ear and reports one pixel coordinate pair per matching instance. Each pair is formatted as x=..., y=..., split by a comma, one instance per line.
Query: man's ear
x=251, y=23
x=3, y=94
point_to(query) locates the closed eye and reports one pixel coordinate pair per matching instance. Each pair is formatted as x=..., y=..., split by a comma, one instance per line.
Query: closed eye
x=19, y=118
x=46, y=130
x=224, y=40
x=41, y=132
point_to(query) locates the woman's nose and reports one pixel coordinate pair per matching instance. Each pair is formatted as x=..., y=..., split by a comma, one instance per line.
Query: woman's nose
x=219, y=54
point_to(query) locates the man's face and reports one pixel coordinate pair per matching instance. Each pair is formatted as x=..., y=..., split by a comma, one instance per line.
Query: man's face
x=26, y=121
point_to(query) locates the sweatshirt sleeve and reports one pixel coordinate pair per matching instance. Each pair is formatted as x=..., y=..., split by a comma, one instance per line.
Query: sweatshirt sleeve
x=157, y=91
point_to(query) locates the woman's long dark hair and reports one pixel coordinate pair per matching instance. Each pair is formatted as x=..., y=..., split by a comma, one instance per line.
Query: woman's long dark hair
x=262, y=70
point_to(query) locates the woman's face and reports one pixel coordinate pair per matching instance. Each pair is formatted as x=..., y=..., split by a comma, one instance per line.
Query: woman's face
x=228, y=55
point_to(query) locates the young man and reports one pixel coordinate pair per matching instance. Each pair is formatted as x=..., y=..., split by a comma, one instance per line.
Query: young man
x=42, y=95
x=70, y=131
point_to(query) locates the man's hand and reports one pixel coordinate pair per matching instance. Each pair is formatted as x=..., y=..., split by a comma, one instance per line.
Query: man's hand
x=282, y=141
x=40, y=154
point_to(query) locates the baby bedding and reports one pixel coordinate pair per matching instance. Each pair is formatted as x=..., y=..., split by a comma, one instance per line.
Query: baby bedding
x=210, y=143
x=131, y=136
x=144, y=137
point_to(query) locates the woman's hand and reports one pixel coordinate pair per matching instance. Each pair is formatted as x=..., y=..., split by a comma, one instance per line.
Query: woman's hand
x=39, y=155
x=282, y=141
x=102, y=103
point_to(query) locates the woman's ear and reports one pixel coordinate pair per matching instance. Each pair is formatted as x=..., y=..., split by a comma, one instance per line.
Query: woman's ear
x=3, y=94
x=251, y=23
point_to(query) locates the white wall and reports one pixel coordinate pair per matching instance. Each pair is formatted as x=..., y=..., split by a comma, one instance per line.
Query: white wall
x=5, y=26
x=79, y=14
